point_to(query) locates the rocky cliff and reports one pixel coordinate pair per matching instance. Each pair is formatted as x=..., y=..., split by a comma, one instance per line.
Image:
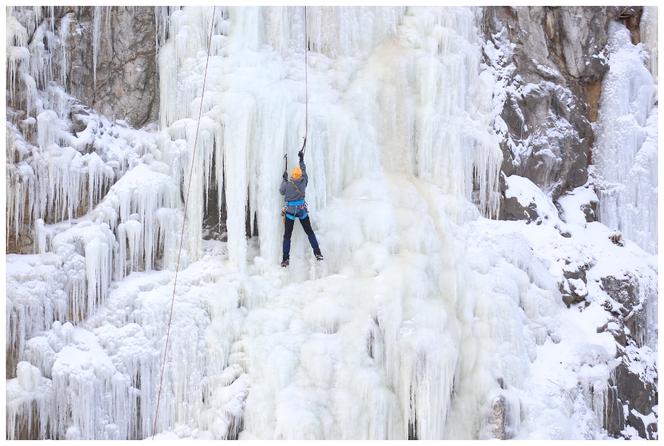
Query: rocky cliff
x=551, y=62
x=116, y=75
x=552, y=74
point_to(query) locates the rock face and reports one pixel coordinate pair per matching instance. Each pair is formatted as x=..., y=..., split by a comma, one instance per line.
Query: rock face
x=552, y=73
x=550, y=63
x=638, y=398
x=498, y=418
x=120, y=42
x=632, y=392
x=573, y=288
x=511, y=209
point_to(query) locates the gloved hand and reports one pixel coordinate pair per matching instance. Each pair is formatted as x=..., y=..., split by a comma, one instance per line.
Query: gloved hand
x=285, y=176
x=300, y=154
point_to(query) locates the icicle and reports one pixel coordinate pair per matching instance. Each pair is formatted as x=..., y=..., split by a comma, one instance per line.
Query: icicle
x=98, y=177
x=41, y=68
x=40, y=237
x=51, y=18
x=47, y=128
x=169, y=223
x=37, y=12
x=20, y=62
x=237, y=140
x=31, y=310
x=29, y=400
x=22, y=178
x=16, y=57
x=138, y=195
x=64, y=179
x=129, y=239
x=649, y=30
x=96, y=37
x=64, y=34
x=87, y=250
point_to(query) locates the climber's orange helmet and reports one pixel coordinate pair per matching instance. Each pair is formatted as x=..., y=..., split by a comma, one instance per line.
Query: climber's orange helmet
x=296, y=173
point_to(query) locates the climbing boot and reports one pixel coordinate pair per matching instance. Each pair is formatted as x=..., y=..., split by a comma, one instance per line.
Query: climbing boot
x=319, y=256
x=284, y=263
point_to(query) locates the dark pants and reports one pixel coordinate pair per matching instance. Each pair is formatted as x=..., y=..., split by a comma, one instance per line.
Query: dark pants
x=288, y=231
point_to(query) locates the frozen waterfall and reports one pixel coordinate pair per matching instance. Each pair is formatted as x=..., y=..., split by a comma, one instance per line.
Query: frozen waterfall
x=375, y=108
x=428, y=319
x=626, y=149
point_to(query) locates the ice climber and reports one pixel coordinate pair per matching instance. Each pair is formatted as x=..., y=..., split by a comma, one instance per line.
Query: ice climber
x=296, y=207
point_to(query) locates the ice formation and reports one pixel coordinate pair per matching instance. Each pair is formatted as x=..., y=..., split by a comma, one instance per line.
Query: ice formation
x=626, y=150
x=253, y=110
x=426, y=319
x=649, y=26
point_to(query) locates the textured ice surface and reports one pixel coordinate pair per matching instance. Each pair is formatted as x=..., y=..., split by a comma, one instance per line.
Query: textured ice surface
x=425, y=314
x=626, y=149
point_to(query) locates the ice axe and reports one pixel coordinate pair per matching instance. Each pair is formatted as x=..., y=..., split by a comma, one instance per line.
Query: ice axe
x=285, y=163
x=304, y=143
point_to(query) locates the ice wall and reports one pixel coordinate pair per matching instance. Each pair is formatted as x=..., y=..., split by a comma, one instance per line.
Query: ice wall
x=425, y=321
x=253, y=114
x=406, y=99
x=379, y=101
x=625, y=153
x=100, y=379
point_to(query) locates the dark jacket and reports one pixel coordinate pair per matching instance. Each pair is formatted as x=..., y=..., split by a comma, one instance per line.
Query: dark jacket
x=293, y=190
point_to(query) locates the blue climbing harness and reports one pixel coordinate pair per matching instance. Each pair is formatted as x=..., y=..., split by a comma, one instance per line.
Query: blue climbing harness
x=300, y=209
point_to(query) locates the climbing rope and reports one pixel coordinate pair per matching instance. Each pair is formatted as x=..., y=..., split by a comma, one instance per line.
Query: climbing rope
x=306, y=82
x=184, y=218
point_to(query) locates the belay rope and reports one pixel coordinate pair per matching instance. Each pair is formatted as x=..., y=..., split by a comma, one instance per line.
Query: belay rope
x=184, y=218
x=306, y=91
x=306, y=102
x=306, y=82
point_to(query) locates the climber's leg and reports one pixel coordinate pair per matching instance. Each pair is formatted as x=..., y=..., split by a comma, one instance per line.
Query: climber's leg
x=288, y=231
x=306, y=224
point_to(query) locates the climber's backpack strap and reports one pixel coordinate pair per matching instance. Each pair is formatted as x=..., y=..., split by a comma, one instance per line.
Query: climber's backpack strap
x=300, y=205
x=295, y=185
